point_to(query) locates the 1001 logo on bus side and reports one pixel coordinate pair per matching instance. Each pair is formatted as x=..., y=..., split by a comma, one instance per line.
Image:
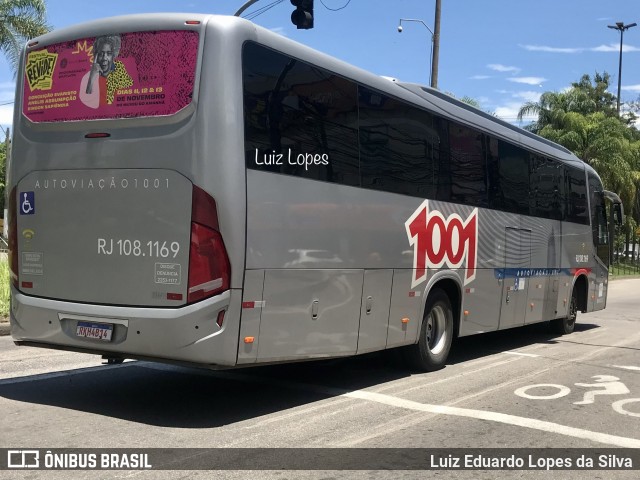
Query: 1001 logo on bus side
x=439, y=241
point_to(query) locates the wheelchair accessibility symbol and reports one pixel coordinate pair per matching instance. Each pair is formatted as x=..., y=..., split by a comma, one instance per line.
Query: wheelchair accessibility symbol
x=27, y=203
x=603, y=385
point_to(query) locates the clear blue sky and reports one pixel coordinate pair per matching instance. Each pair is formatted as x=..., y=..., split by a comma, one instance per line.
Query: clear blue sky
x=500, y=52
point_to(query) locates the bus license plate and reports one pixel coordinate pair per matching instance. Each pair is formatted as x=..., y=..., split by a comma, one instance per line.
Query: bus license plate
x=98, y=331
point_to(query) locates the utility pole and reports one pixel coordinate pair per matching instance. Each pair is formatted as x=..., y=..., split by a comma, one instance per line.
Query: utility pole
x=436, y=46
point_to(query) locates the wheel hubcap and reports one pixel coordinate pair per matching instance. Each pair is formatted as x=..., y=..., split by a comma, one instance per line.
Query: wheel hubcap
x=436, y=331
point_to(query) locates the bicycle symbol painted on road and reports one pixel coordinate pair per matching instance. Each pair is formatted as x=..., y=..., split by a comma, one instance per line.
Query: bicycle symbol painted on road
x=604, y=385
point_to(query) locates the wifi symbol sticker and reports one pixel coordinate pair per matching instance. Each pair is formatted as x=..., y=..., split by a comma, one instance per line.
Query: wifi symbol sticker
x=28, y=233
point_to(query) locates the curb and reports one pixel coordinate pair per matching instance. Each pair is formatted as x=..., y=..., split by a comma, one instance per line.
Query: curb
x=5, y=328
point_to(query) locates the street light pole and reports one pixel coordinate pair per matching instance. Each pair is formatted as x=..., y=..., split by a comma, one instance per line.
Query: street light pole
x=621, y=27
x=433, y=80
x=244, y=7
x=434, y=56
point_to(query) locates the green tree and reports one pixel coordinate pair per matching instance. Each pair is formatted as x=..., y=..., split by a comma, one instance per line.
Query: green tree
x=19, y=21
x=587, y=96
x=584, y=119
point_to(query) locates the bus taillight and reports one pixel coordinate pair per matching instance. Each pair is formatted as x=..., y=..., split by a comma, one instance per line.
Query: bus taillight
x=13, y=237
x=209, y=268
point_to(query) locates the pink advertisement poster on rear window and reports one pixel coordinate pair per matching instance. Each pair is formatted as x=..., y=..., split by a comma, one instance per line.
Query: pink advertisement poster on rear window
x=126, y=75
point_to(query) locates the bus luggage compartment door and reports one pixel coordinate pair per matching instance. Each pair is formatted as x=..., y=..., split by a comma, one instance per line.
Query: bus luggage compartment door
x=517, y=263
x=374, y=314
x=309, y=313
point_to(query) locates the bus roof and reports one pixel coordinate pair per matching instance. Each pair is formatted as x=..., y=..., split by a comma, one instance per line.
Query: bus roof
x=244, y=30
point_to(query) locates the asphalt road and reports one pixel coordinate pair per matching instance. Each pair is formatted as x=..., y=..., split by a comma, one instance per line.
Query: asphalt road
x=521, y=388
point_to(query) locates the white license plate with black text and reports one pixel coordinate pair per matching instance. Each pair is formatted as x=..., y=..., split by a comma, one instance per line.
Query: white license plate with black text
x=96, y=331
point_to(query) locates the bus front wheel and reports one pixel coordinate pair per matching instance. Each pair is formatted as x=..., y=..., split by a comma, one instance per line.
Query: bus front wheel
x=566, y=325
x=436, y=335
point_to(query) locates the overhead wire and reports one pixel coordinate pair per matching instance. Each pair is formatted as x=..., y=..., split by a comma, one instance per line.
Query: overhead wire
x=335, y=9
x=260, y=11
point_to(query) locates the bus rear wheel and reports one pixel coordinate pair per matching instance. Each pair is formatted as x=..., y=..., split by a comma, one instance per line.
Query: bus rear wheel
x=566, y=325
x=436, y=335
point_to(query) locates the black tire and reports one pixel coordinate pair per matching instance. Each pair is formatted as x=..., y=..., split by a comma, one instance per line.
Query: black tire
x=566, y=325
x=436, y=335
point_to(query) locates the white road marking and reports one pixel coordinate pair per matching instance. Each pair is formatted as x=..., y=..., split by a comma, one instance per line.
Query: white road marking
x=562, y=391
x=627, y=367
x=522, y=354
x=617, y=406
x=420, y=379
x=507, y=419
x=504, y=418
x=67, y=373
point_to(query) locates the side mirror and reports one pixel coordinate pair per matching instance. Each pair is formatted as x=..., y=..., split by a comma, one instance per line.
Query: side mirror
x=618, y=209
x=618, y=213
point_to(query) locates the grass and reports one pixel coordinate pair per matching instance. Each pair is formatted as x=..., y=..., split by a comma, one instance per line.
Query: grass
x=4, y=287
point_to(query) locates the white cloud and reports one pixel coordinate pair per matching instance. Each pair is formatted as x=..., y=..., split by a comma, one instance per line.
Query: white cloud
x=6, y=117
x=509, y=113
x=612, y=47
x=527, y=96
x=544, y=48
x=7, y=93
x=480, y=77
x=528, y=80
x=631, y=88
x=503, y=68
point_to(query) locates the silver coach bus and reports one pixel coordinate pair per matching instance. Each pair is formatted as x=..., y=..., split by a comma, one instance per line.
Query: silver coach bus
x=197, y=189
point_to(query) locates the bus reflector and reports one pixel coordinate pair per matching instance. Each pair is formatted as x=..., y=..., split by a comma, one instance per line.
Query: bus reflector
x=13, y=237
x=174, y=296
x=27, y=284
x=192, y=22
x=209, y=268
x=97, y=135
x=405, y=321
x=249, y=339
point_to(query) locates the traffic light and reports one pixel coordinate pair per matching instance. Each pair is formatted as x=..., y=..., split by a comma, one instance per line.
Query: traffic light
x=302, y=16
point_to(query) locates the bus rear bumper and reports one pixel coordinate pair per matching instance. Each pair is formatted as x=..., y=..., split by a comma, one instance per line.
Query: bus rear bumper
x=188, y=334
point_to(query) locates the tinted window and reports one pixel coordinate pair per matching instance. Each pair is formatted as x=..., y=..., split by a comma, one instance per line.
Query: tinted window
x=576, y=183
x=467, y=165
x=299, y=119
x=399, y=146
x=510, y=171
x=546, y=191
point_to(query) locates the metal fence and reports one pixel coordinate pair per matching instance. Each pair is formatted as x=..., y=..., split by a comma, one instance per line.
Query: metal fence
x=624, y=267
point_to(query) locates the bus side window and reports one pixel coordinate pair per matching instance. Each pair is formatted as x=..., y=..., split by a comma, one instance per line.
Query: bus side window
x=399, y=146
x=299, y=119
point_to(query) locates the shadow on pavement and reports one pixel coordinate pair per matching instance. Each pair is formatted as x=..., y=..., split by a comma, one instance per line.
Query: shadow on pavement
x=183, y=397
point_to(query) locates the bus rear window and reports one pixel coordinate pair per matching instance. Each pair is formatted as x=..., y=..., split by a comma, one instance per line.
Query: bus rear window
x=140, y=74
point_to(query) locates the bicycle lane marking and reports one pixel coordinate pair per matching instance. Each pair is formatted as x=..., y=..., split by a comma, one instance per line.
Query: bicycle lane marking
x=504, y=418
x=542, y=425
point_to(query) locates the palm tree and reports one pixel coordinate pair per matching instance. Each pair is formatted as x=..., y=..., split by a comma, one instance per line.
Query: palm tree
x=585, y=97
x=19, y=21
x=550, y=109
